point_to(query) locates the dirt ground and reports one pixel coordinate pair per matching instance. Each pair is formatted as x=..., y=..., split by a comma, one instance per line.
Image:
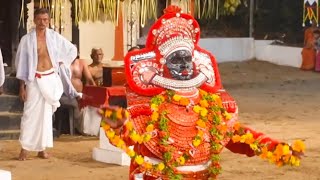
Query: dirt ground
x=282, y=102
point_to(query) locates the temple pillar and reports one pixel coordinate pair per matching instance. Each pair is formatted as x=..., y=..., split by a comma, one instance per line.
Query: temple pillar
x=118, y=43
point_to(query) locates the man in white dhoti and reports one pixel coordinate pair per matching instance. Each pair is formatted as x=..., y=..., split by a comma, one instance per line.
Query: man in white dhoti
x=2, y=75
x=39, y=55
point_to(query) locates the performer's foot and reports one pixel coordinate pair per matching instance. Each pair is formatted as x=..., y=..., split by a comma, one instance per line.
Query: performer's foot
x=43, y=155
x=23, y=155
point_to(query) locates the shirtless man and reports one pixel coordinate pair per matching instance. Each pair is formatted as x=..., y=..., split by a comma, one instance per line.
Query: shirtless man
x=79, y=69
x=40, y=85
x=79, y=72
x=96, y=67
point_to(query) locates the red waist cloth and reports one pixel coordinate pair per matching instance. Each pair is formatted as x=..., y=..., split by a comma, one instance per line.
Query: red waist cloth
x=38, y=75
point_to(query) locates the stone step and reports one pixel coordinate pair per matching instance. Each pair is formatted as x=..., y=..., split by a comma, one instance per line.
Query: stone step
x=9, y=134
x=11, y=85
x=10, y=120
x=10, y=103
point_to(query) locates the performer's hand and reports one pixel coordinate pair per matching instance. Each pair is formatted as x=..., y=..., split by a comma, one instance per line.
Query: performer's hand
x=227, y=101
x=115, y=124
x=297, y=154
x=147, y=74
x=23, y=94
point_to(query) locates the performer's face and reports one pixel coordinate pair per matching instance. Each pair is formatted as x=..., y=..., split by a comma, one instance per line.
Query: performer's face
x=42, y=21
x=180, y=65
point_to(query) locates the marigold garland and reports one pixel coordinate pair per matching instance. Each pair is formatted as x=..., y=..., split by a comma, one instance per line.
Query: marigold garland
x=212, y=117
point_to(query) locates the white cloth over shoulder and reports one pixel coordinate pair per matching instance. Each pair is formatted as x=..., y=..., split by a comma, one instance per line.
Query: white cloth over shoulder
x=43, y=96
x=2, y=74
x=59, y=49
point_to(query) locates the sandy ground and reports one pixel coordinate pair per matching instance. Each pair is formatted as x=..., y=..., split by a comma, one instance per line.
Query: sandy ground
x=280, y=101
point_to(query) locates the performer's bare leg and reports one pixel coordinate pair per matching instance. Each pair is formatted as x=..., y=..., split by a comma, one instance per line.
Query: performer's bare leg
x=23, y=155
x=43, y=155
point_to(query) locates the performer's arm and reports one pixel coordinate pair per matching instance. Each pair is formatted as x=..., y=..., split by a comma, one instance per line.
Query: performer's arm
x=22, y=91
x=244, y=148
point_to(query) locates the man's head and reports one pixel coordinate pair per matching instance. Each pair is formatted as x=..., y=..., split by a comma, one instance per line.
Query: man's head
x=96, y=55
x=41, y=18
x=316, y=33
x=180, y=65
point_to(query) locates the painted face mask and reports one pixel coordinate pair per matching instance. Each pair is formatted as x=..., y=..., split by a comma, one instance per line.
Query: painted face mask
x=180, y=65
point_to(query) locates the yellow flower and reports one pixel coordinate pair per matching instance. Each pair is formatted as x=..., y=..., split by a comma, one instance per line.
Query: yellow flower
x=160, y=166
x=146, y=137
x=131, y=153
x=203, y=112
x=120, y=144
x=110, y=134
x=150, y=128
x=129, y=126
x=200, y=133
x=154, y=116
x=176, y=97
x=294, y=161
x=236, y=138
x=106, y=127
x=286, y=150
x=181, y=160
x=119, y=113
x=154, y=107
x=298, y=146
x=184, y=101
x=126, y=113
x=264, y=152
x=204, y=103
x=196, y=142
x=203, y=93
x=243, y=138
x=107, y=113
x=139, y=159
x=162, y=98
x=197, y=109
x=249, y=138
x=135, y=137
x=254, y=146
x=147, y=166
x=227, y=115
x=215, y=97
x=201, y=123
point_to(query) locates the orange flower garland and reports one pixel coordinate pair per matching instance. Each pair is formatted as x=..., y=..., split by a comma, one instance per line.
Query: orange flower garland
x=212, y=118
x=282, y=154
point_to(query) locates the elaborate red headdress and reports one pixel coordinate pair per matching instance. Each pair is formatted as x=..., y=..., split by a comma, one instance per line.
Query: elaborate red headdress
x=171, y=32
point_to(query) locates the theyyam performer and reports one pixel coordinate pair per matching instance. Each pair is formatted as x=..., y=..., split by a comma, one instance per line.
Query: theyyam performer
x=39, y=55
x=179, y=117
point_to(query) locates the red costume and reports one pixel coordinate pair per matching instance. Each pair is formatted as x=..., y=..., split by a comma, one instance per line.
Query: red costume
x=148, y=75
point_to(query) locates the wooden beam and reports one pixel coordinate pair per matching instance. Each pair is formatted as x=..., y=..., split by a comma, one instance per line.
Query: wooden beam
x=192, y=4
x=118, y=37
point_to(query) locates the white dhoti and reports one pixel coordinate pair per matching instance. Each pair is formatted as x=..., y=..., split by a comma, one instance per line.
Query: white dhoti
x=43, y=96
x=90, y=121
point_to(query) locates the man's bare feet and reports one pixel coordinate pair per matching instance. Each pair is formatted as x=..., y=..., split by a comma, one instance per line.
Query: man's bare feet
x=23, y=155
x=43, y=155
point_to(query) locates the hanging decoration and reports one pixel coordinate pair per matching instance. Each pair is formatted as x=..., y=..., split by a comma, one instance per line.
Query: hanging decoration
x=208, y=9
x=310, y=12
x=108, y=10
